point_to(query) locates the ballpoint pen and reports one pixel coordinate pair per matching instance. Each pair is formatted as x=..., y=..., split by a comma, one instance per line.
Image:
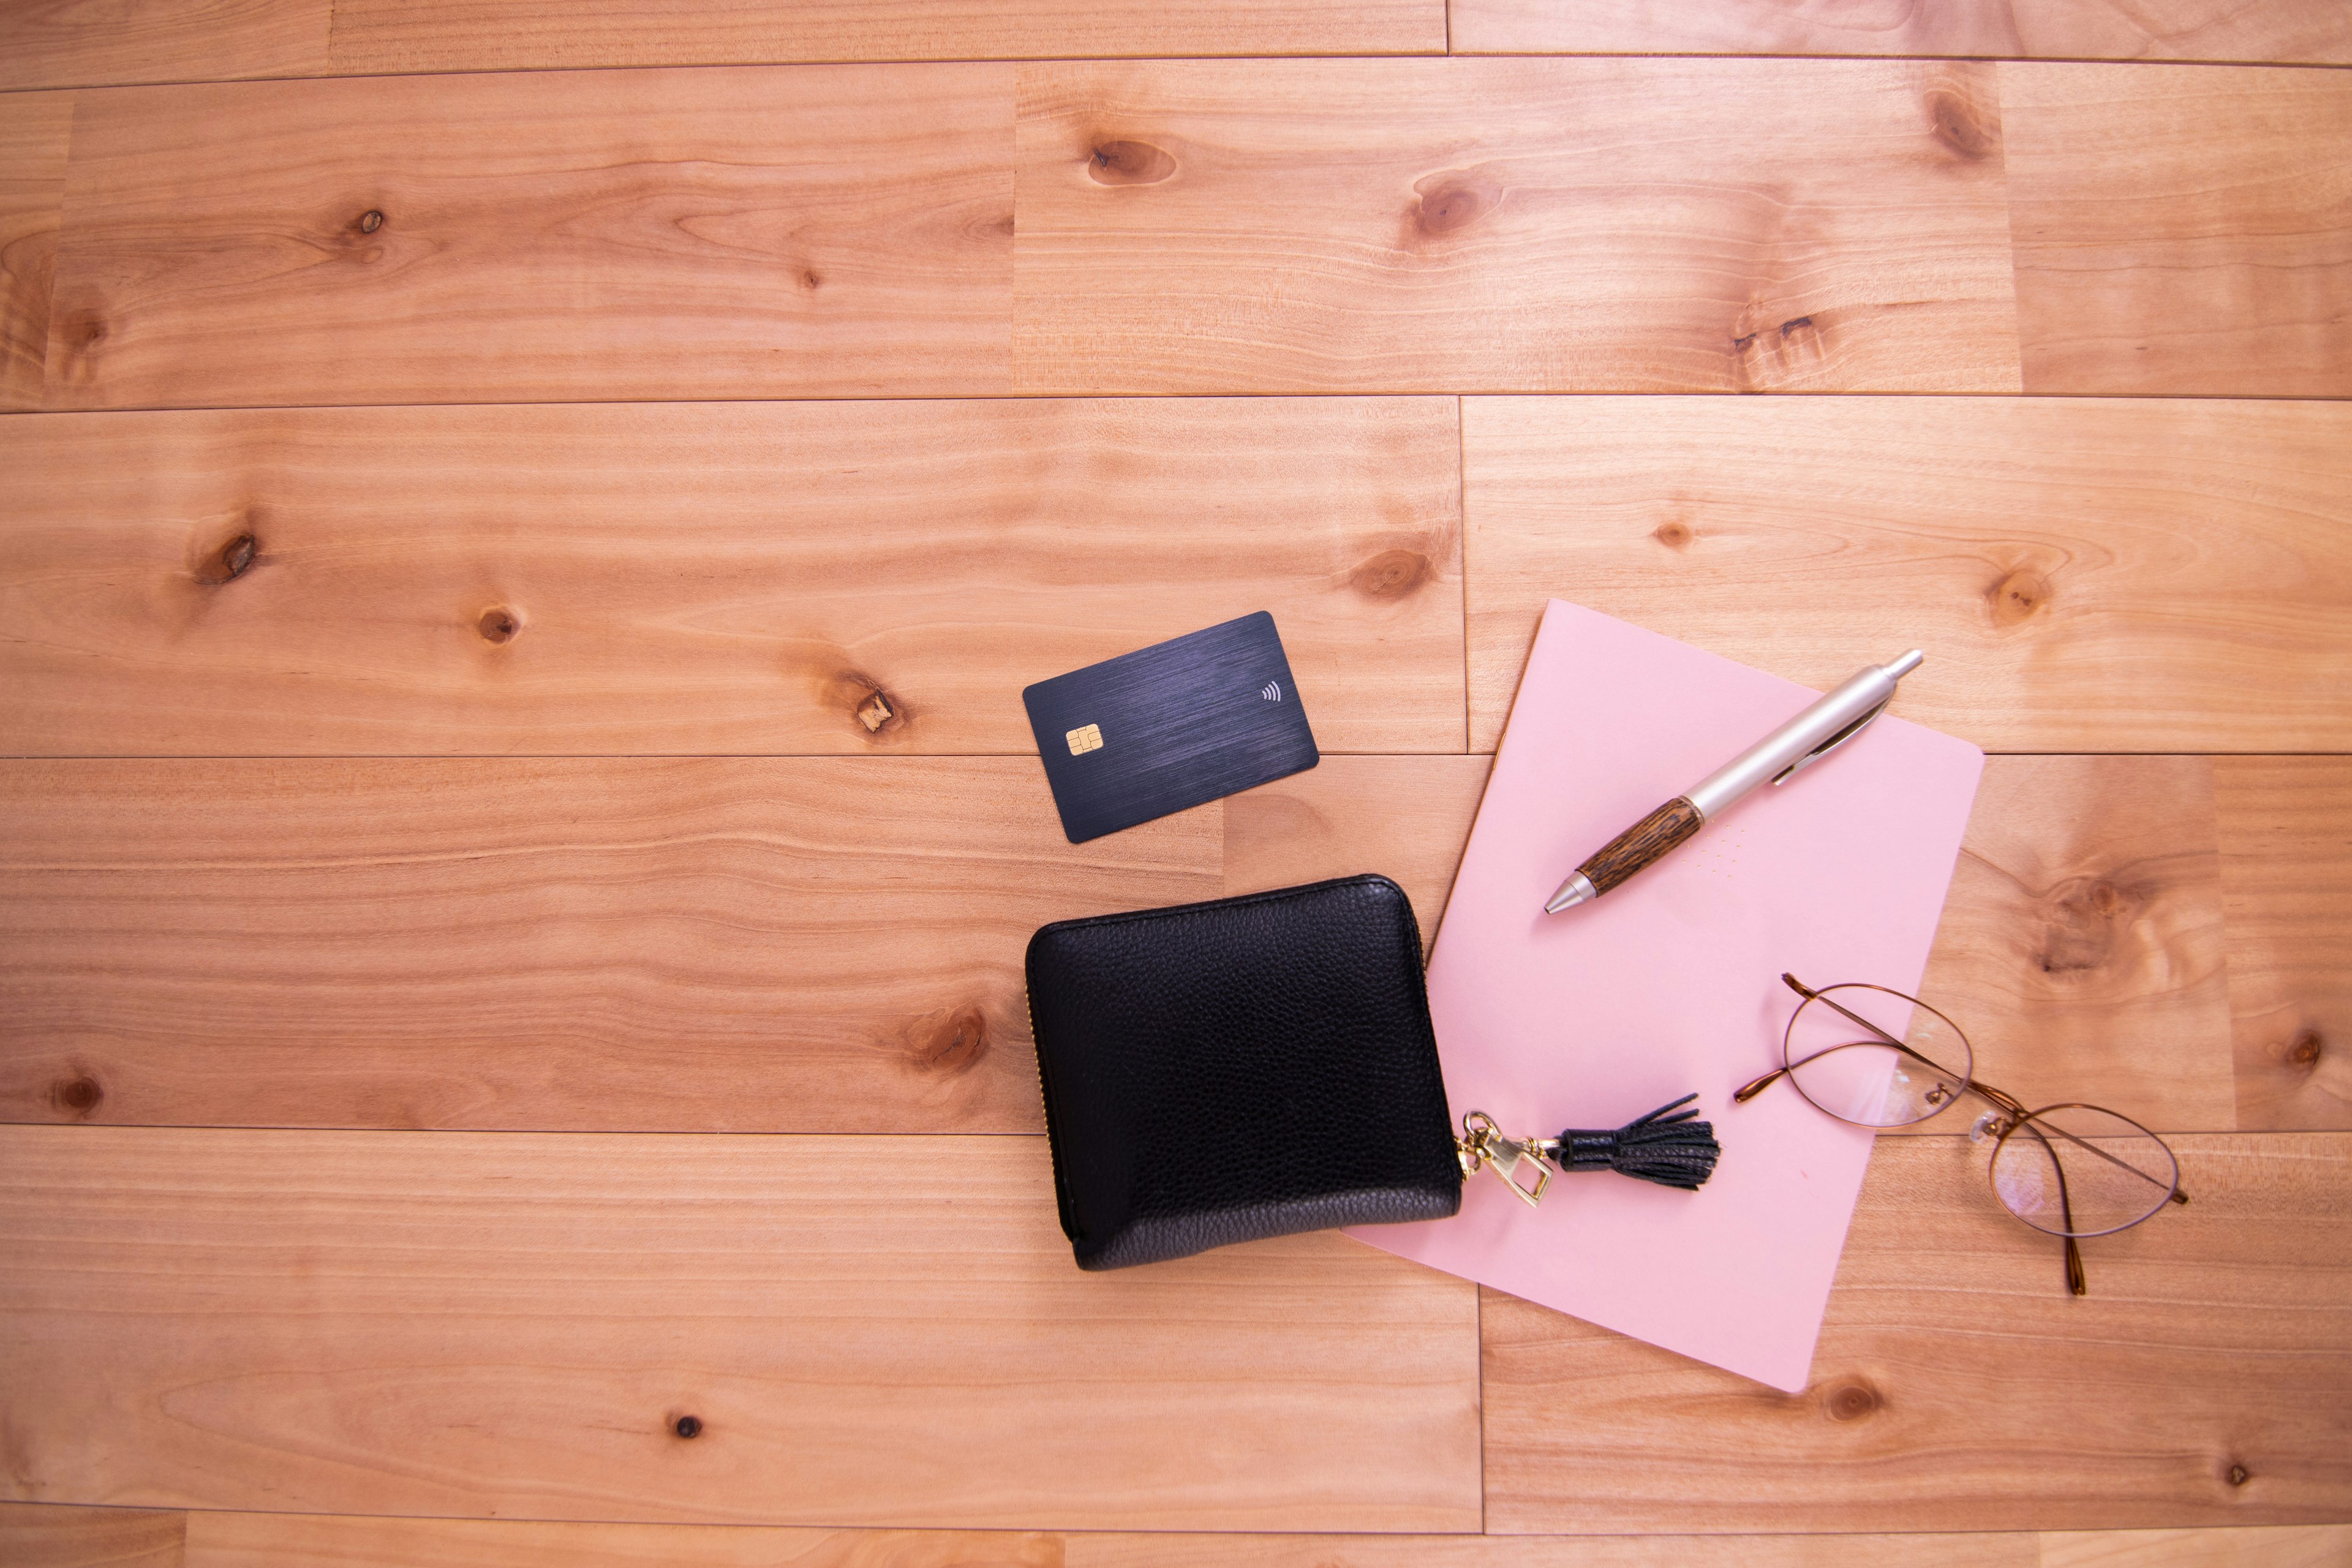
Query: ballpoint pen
x=1779, y=757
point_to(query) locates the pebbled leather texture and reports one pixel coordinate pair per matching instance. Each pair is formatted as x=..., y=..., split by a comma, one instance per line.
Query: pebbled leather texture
x=1246, y=1068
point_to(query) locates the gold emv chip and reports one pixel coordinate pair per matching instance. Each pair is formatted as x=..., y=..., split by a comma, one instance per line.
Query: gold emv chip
x=1084, y=739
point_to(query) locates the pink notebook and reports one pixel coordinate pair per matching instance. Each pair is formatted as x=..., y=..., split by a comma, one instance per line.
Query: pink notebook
x=1671, y=985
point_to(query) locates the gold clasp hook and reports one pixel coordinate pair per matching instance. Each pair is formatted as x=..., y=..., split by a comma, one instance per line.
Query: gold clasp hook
x=1483, y=1144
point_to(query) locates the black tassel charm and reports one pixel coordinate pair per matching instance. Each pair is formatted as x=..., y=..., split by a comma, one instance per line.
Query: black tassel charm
x=1675, y=1151
x=1672, y=1150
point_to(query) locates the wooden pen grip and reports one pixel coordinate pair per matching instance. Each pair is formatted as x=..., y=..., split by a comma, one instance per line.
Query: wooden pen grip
x=1642, y=843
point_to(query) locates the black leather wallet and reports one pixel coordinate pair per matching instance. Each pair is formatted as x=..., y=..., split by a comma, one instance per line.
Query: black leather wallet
x=1246, y=1068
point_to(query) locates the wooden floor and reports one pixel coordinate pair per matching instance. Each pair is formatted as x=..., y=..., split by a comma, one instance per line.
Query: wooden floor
x=521, y=529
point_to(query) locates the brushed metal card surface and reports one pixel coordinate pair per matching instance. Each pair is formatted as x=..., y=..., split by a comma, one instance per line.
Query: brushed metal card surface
x=1171, y=726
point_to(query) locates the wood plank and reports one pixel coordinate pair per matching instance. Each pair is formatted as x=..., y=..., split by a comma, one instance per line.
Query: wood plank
x=2081, y=945
x=2206, y=1379
x=829, y=230
x=2315, y=32
x=2182, y=229
x=835, y=945
x=36, y=132
x=514, y=35
x=36, y=1535
x=2091, y=577
x=301, y=1541
x=2287, y=885
x=2273, y=1546
x=726, y=578
x=829, y=946
x=87, y=43
x=465, y=1324
x=1656, y=225
x=329, y=1540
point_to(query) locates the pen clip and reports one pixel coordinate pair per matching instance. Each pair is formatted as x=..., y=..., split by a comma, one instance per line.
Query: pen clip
x=1832, y=744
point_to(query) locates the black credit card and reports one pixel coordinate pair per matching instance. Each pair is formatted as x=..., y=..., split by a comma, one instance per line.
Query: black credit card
x=1171, y=726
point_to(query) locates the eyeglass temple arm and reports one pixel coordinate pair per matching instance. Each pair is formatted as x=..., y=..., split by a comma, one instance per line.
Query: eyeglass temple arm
x=2077, y=1282
x=2008, y=1102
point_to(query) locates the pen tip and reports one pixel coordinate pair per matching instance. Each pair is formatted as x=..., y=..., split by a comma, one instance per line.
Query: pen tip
x=1907, y=664
x=1577, y=890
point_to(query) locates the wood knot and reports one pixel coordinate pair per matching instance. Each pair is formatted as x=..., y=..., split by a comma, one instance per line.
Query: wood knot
x=949, y=1043
x=230, y=562
x=688, y=1425
x=1958, y=124
x=2016, y=597
x=1451, y=202
x=2240, y=1475
x=1128, y=163
x=1778, y=354
x=2082, y=918
x=1852, y=1402
x=811, y=279
x=498, y=626
x=876, y=712
x=1390, y=574
x=371, y=220
x=80, y=1096
x=91, y=331
x=2302, y=1050
x=1674, y=535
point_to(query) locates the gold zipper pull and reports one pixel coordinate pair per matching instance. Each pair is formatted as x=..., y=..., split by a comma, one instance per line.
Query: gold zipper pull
x=1483, y=1144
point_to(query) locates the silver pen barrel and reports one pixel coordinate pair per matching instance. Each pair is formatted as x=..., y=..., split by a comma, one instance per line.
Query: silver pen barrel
x=1784, y=748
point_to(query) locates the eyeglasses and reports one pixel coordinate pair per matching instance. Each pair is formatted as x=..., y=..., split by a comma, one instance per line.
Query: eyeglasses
x=1879, y=1059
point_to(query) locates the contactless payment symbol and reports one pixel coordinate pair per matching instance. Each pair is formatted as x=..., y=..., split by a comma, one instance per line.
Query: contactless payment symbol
x=1084, y=739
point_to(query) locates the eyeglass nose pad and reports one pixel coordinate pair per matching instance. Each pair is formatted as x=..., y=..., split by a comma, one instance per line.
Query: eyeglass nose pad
x=1987, y=1126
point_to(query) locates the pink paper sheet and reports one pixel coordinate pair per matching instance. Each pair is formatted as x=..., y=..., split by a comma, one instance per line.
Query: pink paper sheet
x=1671, y=985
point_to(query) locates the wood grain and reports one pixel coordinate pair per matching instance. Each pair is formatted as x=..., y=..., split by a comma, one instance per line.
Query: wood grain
x=2084, y=575
x=327, y=1540
x=219, y=1539
x=696, y=945
x=2274, y=1546
x=1665, y=226
x=830, y=231
x=707, y=578
x=36, y=133
x=869, y=1331
x=298, y=1541
x=2082, y=943
x=2286, y=882
x=2182, y=229
x=511, y=35
x=2315, y=32
x=1405, y=817
x=85, y=43
x=835, y=945
x=34, y=1535
x=1958, y=1386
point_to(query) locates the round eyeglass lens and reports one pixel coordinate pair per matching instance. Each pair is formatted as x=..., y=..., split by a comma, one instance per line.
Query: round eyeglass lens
x=1839, y=1060
x=2075, y=1170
